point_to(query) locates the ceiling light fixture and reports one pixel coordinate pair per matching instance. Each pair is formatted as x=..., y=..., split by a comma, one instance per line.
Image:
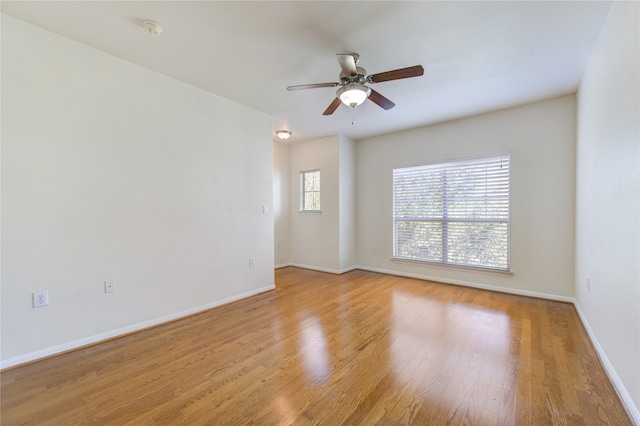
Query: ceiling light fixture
x=283, y=134
x=353, y=94
x=153, y=27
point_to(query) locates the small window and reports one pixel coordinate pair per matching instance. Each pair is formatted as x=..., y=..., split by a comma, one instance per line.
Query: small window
x=310, y=191
x=454, y=213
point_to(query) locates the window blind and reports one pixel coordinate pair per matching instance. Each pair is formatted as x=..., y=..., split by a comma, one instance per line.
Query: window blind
x=454, y=213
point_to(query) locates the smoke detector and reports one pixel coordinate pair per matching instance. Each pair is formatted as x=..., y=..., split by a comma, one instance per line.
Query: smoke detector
x=153, y=27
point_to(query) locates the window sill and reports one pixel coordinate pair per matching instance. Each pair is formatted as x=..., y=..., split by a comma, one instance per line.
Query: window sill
x=454, y=267
x=310, y=211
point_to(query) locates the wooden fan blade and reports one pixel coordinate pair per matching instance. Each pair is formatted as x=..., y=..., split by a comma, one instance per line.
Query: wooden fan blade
x=414, y=71
x=377, y=98
x=347, y=63
x=334, y=105
x=312, y=86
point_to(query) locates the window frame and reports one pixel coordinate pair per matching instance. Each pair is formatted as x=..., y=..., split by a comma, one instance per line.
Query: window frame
x=316, y=189
x=497, y=228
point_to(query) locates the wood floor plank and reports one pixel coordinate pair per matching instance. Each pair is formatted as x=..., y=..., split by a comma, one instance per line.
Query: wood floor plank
x=322, y=349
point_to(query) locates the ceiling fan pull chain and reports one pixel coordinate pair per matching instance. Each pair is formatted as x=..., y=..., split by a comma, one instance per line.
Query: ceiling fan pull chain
x=353, y=113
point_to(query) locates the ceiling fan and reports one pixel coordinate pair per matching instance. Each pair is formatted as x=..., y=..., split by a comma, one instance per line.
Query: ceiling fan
x=353, y=91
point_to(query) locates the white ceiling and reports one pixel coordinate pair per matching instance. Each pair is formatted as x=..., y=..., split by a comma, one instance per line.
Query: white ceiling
x=477, y=56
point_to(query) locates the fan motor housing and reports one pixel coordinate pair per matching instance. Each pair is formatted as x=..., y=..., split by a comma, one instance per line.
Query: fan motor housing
x=360, y=77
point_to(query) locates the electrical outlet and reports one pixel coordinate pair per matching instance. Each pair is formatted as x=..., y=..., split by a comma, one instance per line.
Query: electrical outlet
x=252, y=262
x=109, y=286
x=40, y=299
x=265, y=210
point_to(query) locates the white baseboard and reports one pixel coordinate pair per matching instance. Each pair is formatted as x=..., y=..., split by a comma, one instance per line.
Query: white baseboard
x=517, y=292
x=322, y=269
x=608, y=367
x=76, y=344
x=282, y=265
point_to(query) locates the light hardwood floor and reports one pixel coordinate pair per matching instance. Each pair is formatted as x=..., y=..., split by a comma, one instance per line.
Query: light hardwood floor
x=359, y=348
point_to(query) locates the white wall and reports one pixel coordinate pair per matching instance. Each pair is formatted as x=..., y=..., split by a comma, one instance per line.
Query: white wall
x=541, y=139
x=314, y=236
x=113, y=172
x=323, y=241
x=281, y=203
x=608, y=198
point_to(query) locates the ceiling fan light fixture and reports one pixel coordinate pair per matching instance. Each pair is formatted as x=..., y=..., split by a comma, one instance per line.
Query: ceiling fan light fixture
x=353, y=94
x=283, y=134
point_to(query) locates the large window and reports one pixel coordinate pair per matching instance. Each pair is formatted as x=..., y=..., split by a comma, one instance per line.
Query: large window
x=310, y=191
x=453, y=213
